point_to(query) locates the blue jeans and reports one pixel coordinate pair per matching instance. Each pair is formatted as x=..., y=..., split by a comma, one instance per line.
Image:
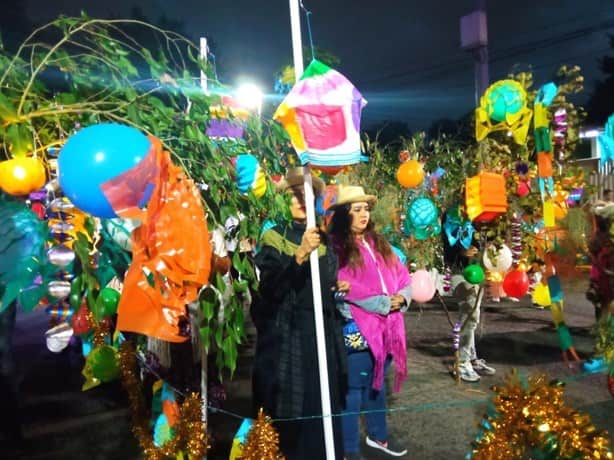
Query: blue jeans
x=361, y=396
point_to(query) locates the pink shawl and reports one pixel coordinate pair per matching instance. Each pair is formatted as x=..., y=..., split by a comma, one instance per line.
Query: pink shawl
x=385, y=334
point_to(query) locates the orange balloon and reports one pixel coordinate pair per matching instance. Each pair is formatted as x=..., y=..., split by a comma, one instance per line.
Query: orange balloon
x=21, y=175
x=410, y=174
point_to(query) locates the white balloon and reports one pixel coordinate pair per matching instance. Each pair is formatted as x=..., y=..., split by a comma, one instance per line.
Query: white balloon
x=500, y=262
x=121, y=231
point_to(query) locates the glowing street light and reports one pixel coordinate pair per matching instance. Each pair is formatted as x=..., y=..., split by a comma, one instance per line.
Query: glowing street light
x=250, y=96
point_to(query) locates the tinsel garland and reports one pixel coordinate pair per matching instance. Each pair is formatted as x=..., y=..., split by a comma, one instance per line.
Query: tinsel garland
x=262, y=441
x=190, y=431
x=530, y=420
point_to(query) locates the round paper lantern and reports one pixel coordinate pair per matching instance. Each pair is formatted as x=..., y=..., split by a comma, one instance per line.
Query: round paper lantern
x=506, y=97
x=93, y=156
x=541, y=295
x=120, y=230
x=410, y=174
x=473, y=274
x=422, y=286
x=516, y=283
x=500, y=262
x=22, y=175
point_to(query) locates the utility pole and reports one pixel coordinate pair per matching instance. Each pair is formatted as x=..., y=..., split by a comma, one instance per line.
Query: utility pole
x=474, y=38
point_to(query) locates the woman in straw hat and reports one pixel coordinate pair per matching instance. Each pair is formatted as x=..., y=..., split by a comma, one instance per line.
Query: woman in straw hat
x=379, y=292
x=285, y=380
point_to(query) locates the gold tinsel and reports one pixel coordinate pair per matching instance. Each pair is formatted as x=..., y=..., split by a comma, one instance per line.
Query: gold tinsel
x=262, y=441
x=531, y=415
x=190, y=431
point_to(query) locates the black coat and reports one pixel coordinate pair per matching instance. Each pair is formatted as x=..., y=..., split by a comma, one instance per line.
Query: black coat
x=285, y=377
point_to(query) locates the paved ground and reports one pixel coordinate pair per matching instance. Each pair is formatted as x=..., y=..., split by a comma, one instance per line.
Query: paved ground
x=434, y=417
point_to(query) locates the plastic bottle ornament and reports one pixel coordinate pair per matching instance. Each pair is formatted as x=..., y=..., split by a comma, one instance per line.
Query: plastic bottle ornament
x=80, y=320
x=410, y=173
x=473, y=274
x=96, y=154
x=61, y=255
x=500, y=261
x=106, y=303
x=516, y=283
x=422, y=285
x=58, y=289
x=541, y=295
x=104, y=362
x=22, y=175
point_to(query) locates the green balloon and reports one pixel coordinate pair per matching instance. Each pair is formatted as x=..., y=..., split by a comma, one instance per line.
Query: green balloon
x=106, y=303
x=473, y=274
x=104, y=363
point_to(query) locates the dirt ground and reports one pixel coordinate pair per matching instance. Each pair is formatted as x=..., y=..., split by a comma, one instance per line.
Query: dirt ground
x=432, y=415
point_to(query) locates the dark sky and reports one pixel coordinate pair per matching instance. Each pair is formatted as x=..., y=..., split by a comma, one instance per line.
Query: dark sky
x=403, y=55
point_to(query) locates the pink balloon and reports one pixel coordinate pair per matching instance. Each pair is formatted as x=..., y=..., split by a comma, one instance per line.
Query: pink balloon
x=422, y=286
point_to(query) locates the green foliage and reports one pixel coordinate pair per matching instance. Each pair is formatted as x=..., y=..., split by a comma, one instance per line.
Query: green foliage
x=80, y=71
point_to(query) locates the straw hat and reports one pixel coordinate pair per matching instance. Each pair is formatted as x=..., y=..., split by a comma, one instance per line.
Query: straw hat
x=295, y=176
x=352, y=194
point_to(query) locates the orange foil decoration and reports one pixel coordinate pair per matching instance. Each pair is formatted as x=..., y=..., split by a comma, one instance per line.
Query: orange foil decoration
x=171, y=249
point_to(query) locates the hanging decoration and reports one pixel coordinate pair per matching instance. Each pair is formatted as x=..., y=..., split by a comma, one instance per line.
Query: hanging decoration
x=250, y=175
x=497, y=259
x=606, y=141
x=485, y=197
x=227, y=120
x=422, y=285
x=22, y=175
x=529, y=419
x=410, y=173
x=560, y=133
x=422, y=219
x=322, y=117
x=262, y=440
x=503, y=107
x=458, y=230
x=473, y=274
x=165, y=275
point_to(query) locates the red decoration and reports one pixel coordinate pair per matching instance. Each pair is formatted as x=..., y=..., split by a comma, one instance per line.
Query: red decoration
x=403, y=156
x=330, y=170
x=516, y=283
x=80, y=321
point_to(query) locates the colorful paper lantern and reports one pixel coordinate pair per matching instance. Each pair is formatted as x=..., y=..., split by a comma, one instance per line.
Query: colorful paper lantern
x=22, y=175
x=485, y=197
x=250, y=175
x=410, y=173
x=322, y=116
x=516, y=283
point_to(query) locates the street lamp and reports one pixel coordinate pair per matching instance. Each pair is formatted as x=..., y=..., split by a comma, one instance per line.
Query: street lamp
x=250, y=96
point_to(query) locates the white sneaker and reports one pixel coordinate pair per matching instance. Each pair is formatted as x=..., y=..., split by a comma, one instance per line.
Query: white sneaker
x=467, y=373
x=480, y=366
x=389, y=447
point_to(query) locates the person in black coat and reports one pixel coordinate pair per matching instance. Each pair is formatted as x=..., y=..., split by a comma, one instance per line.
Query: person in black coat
x=285, y=378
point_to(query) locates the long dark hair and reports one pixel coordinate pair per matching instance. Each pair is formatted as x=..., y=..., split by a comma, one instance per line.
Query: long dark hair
x=344, y=243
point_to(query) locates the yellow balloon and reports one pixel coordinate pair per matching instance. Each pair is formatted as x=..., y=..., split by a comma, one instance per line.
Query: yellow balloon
x=541, y=295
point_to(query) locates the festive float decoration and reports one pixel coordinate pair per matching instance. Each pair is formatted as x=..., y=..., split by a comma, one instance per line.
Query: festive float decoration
x=227, y=119
x=250, y=175
x=606, y=141
x=503, y=107
x=322, y=116
x=458, y=230
x=410, y=173
x=22, y=175
x=529, y=419
x=423, y=287
x=485, y=196
x=422, y=219
x=262, y=440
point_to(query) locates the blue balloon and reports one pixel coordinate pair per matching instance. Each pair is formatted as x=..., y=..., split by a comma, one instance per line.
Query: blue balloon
x=94, y=155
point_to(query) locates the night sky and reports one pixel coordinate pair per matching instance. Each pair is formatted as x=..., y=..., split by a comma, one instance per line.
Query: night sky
x=403, y=55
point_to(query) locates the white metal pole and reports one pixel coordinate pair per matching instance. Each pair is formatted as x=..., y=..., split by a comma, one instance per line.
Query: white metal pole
x=203, y=353
x=327, y=421
x=203, y=55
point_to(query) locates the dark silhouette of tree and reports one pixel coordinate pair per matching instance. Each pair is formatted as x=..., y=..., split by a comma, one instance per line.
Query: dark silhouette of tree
x=389, y=132
x=601, y=103
x=15, y=25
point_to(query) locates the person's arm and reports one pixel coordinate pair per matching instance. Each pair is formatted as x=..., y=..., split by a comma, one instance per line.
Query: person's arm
x=380, y=304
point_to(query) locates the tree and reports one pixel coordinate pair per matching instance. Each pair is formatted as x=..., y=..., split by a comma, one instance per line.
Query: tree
x=600, y=106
